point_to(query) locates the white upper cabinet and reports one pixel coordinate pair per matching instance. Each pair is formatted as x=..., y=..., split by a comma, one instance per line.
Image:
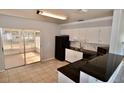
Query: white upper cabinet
x=73, y=34
x=105, y=35
x=92, y=35
x=82, y=36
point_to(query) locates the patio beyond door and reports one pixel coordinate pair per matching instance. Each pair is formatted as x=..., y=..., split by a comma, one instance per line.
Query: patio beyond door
x=20, y=47
x=32, y=47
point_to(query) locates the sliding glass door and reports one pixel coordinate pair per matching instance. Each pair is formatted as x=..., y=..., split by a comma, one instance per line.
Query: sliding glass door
x=13, y=48
x=32, y=47
x=20, y=47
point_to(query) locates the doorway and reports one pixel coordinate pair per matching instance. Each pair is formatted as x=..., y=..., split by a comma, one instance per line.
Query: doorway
x=20, y=47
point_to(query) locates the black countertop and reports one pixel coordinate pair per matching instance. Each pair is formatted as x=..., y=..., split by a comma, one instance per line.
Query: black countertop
x=101, y=67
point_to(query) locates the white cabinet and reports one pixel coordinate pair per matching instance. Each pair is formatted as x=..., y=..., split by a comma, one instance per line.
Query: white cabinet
x=64, y=79
x=92, y=35
x=73, y=56
x=105, y=35
x=82, y=34
x=85, y=78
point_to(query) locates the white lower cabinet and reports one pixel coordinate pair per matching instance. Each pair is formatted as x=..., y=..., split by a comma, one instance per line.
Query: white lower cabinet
x=85, y=78
x=64, y=79
x=73, y=56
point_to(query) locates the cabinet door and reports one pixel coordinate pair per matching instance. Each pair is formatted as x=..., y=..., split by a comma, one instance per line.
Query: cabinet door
x=92, y=35
x=82, y=35
x=93, y=80
x=85, y=78
x=64, y=79
x=73, y=56
x=105, y=35
x=74, y=35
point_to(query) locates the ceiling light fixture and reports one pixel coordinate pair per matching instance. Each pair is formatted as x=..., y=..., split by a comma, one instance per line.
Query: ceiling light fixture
x=45, y=13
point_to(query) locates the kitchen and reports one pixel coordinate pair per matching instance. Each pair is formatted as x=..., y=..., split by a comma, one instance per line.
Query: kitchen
x=83, y=46
x=97, y=42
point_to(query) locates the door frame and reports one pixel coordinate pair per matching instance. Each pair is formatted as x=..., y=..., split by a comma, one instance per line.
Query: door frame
x=2, y=61
x=2, y=53
x=27, y=30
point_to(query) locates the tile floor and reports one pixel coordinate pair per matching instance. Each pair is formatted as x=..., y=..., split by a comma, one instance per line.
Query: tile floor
x=40, y=73
x=34, y=73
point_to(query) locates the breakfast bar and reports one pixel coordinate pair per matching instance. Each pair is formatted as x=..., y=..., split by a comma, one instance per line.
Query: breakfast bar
x=99, y=69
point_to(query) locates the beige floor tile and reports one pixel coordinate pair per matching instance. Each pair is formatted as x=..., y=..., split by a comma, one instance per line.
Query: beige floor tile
x=3, y=74
x=42, y=72
x=14, y=81
x=5, y=80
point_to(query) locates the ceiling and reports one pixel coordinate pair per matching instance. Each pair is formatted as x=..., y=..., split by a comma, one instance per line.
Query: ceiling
x=73, y=15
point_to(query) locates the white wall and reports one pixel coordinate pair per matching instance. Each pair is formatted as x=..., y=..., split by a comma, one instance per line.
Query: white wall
x=117, y=35
x=48, y=32
x=98, y=22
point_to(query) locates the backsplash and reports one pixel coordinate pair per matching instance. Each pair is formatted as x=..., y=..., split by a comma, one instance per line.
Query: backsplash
x=87, y=46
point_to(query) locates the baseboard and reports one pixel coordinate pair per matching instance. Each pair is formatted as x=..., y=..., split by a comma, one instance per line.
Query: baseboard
x=48, y=59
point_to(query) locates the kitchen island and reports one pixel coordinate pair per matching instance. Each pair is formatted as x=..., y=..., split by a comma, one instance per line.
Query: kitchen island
x=100, y=69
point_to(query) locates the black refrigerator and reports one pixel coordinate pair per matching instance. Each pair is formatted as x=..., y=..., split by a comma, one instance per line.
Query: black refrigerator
x=61, y=42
